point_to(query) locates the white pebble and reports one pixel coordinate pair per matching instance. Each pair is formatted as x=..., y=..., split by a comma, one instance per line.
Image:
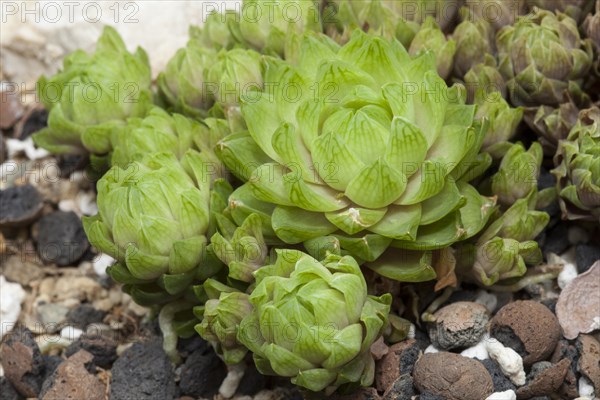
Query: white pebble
x=87, y=203
x=101, y=262
x=235, y=373
x=509, y=360
x=488, y=300
x=568, y=273
x=431, y=349
x=478, y=351
x=71, y=333
x=67, y=205
x=412, y=329
x=15, y=146
x=11, y=297
x=506, y=395
x=586, y=389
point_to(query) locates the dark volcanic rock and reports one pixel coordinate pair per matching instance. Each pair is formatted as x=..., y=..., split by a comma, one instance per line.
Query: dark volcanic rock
x=399, y=360
x=84, y=315
x=23, y=362
x=33, y=122
x=501, y=382
x=585, y=256
x=143, y=372
x=252, y=382
x=19, y=206
x=7, y=391
x=202, y=374
x=103, y=349
x=61, y=238
x=556, y=240
x=401, y=389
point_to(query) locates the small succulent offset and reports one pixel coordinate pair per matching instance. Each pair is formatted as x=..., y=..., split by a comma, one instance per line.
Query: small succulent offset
x=314, y=321
x=431, y=38
x=543, y=58
x=153, y=218
x=518, y=173
x=578, y=169
x=356, y=155
x=474, y=41
x=575, y=9
x=92, y=95
x=552, y=124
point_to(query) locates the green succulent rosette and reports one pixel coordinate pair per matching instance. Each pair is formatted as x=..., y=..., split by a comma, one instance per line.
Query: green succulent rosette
x=183, y=86
x=518, y=173
x=431, y=38
x=354, y=156
x=314, y=321
x=484, y=79
x=552, y=124
x=591, y=27
x=154, y=218
x=92, y=95
x=160, y=131
x=576, y=9
x=503, y=122
x=506, y=246
x=266, y=26
x=216, y=31
x=578, y=169
x=474, y=42
x=220, y=317
x=543, y=58
x=498, y=13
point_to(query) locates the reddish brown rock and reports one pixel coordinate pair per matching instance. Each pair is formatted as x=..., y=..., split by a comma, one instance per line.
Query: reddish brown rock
x=72, y=381
x=577, y=306
x=569, y=388
x=589, y=360
x=458, y=325
x=546, y=382
x=529, y=328
x=452, y=377
x=23, y=362
x=398, y=361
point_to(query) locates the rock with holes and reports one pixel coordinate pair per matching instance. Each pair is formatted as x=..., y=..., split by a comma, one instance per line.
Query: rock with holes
x=458, y=325
x=22, y=362
x=73, y=379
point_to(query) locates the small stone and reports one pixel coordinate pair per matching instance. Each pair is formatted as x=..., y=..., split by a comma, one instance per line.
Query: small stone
x=546, y=381
x=103, y=349
x=73, y=381
x=509, y=361
x=252, y=382
x=17, y=269
x=527, y=327
x=555, y=240
x=586, y=255
x=7, y=391
x=143, y=372
x=202, y=374
x=51, y=362
x=458, y=325
x=33, y=121
x=11, y=297
x=453, y=377
x=506, y=395
x=589, y=354
x=20, y=206
x=85, y=315
x=501, y=382
x=22, y=362
x=565, y=350
x=400, y=360
x=61, y=238
x=401, y=389
x=478, y=351
x=11, y=107
x=359, y=394
x=71, y=333
x=52, y=316
x=577, y=307
x=586, y=389
x=566, y=276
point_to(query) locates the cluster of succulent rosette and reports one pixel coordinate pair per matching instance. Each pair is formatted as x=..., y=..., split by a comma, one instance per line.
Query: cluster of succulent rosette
x=280, y=166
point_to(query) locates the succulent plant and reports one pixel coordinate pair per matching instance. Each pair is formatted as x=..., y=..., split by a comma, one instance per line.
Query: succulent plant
x=474, y=41
x=161, y=132
x=92, y=95
x=575, y=9
x=503, y=122
x=314, y=321
x=153, y=218
x=484, y=79
x=184, y=86
x=361, y=160
x=265, y=26
x=216, y=32
x=518, y=173
x=431, y=38
x=543, y=58
x=498, y=13
x=578, y=169
x=220, y=318
x=552, y=124
x=591, y=27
